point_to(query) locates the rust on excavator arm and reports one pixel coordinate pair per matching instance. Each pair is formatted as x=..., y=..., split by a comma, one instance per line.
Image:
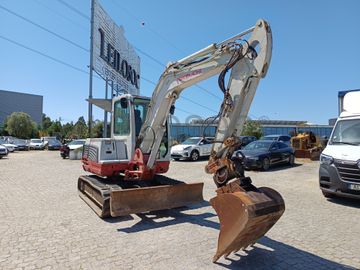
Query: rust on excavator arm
x=246, y=213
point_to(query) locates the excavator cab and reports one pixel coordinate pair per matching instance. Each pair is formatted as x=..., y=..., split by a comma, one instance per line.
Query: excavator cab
x=117, y=188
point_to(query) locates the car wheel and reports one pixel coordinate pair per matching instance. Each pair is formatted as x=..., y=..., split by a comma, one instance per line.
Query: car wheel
x=176, y=159
x=265, y=165
x=327, y=194
x=194, y=156
x=291, y=160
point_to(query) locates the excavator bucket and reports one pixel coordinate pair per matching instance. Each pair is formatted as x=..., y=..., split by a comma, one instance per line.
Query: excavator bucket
x=245, y=214
x=110, y=198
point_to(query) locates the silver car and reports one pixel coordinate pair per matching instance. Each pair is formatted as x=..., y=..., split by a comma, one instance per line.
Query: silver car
x=3, y=151
x=192, y=148
x=37, y=144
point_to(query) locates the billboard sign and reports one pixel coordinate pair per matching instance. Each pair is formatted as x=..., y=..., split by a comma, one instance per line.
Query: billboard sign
x=113, y=56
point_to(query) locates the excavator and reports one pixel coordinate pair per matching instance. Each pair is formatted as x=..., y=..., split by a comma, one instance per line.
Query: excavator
x=126, y=169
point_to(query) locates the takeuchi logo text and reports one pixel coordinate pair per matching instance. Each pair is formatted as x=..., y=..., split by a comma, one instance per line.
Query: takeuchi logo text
x=188, y=76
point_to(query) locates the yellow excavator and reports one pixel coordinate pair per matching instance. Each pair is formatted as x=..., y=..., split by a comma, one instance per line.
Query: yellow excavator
x=126, y=169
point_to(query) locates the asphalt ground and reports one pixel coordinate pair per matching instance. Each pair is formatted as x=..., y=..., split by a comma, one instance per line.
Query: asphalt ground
x=45, y=225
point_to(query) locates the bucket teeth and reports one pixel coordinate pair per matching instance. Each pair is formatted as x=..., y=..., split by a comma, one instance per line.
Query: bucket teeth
x=245, y=214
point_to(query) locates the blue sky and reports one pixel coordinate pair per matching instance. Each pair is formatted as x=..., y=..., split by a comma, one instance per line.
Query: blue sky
x=315, y=52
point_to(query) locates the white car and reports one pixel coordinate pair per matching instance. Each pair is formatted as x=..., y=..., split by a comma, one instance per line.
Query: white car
x=193, y=148
x=3, y=151
x=71, y=147
x=10, y=147
x=37, y=144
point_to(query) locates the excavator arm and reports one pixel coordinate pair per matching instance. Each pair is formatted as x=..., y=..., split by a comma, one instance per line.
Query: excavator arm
x=248, y=61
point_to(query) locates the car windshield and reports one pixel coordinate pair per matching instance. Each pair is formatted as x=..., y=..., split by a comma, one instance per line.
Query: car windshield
x=346, y=132
x=2, y=141
x=54, y=141
x=191, y=141
x=18, y=141
x=36, y=141
x=77, y=143
x=267, y=138
x=258, y=145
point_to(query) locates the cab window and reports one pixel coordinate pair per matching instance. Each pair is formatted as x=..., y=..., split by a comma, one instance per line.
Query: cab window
x=121, y=120
x=140, y=111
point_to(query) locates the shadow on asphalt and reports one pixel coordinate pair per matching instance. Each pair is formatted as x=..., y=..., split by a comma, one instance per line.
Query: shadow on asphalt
x=345, y=202
x=204, y=158
x=266, y=254
x=164, y=218
x=277, y=255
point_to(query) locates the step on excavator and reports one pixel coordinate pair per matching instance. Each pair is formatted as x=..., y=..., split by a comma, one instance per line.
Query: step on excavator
x=126, y=169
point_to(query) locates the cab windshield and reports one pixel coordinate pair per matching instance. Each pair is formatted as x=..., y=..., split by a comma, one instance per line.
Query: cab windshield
x=346, y=132
x=191, y=141
x=121, y=119
x=122, y=116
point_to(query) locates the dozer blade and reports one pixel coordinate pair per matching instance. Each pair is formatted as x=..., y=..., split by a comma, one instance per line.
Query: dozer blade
x=95, y=193
x=113, y=197
x=138, y=200
x=245, y=214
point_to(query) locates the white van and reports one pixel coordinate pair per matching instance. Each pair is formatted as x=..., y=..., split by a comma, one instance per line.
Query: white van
x=339, y=172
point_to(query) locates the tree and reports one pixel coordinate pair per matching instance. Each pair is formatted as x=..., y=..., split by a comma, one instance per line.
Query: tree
x=80, y=129
x=97, y=129
x=46, y=122
x=55, y=129
x=66, y=131
x=20, y=124
x=252, y=128
x=3, y=131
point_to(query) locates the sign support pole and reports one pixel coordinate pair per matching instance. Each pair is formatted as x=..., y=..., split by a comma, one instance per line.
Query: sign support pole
x=105, y=112
x=91, y=66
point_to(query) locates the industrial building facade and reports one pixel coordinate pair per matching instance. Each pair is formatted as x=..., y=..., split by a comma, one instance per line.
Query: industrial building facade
x=181, y=131
x=20, y=102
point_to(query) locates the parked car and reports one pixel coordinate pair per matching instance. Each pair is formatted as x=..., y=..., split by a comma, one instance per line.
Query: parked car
x=37, y=144
x=9, y=139
x=46, y=140
x=245, y=140
x=10, y=147
x=3, y=151
x=71, y=146
x=280, y=138
x=192, y=148
x=21, y=144
x=262, y=154
x=54, y=144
